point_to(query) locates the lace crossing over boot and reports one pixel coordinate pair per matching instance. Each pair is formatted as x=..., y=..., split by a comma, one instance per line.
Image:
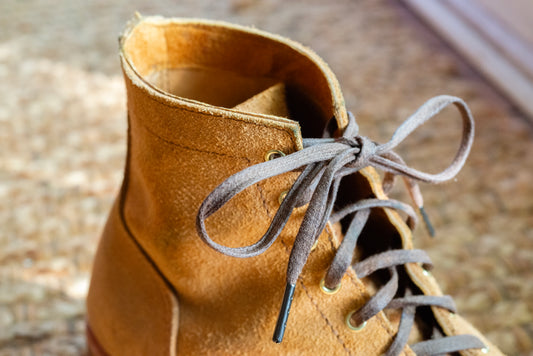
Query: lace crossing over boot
x=251, y=219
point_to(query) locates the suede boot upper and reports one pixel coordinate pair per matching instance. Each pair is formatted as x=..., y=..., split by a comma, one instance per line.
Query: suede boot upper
x=206, y=100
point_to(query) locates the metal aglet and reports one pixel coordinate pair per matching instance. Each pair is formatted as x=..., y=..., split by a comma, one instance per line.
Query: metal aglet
x=284, y=313
x=429, y=226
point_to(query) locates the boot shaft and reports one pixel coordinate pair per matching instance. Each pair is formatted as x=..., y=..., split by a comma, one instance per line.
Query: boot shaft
x=180, y=148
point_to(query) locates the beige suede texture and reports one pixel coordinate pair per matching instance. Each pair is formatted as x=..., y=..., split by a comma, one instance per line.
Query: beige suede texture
x=125, y=287
x=157, y=289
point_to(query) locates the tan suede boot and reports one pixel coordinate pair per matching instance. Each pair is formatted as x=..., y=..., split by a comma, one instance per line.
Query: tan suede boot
x=212, y=103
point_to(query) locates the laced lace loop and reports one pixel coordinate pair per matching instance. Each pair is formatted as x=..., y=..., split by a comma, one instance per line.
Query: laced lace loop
x=323, y=163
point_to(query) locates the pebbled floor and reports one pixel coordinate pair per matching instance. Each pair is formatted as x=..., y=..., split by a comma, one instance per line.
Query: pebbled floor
x=62, y=146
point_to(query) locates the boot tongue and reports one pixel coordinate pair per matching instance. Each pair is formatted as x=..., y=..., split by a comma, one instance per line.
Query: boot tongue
x=272, y=101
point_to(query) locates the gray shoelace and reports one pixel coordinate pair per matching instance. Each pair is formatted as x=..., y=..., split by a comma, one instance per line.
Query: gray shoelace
x=323, y=163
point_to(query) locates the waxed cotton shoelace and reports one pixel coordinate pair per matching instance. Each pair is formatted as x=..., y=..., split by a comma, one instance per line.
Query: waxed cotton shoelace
x=324, y=162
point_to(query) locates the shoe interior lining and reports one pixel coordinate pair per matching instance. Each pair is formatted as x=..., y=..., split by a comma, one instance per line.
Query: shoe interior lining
x=222, y=66
x=209, y=85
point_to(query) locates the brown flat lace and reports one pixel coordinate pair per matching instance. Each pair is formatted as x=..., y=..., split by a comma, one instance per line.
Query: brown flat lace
x=325, y=161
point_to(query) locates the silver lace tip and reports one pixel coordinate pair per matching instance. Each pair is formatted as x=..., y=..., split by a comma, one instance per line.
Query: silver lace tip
x=284, y=313
x=428, y=224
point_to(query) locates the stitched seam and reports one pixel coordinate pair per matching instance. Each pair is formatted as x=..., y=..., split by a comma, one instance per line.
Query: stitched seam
x=326, y=319
x=121, y=211
x=284, y=130
x=263, y=200
x=156, y=276
x=187, y=147
x=359, y=289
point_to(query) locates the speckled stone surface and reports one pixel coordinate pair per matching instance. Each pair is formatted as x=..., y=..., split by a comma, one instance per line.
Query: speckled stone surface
x=62, y=146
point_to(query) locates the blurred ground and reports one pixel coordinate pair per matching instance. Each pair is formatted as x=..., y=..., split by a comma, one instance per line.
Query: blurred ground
x=62, y=146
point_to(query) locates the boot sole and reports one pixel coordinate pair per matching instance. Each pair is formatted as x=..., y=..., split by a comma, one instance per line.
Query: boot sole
x=94, y=347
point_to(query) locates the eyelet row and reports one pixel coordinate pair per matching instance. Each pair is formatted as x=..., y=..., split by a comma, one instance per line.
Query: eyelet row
x=348, y=319
x=269, y=156
x=273, y=154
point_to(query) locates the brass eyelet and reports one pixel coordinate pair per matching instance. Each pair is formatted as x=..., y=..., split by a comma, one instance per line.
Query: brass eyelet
x=282, y=196
x=273, y=154
x=314, y=245
x=326, y=289
x=349, y=324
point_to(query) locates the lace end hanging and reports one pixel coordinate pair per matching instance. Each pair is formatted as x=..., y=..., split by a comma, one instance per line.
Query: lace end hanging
x=428, y=224
x=284, y=313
